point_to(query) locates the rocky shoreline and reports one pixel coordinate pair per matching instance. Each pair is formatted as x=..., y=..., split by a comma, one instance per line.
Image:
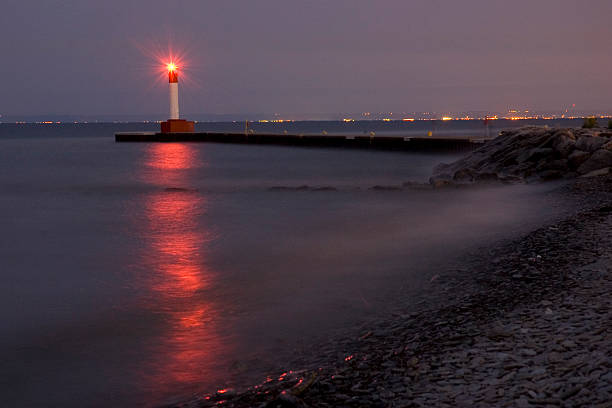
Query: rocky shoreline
x=531, y=154
x=527, y=323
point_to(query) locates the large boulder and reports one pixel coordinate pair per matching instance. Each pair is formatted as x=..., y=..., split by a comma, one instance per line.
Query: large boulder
x=535, y=154
x=564, y=143
x=598, y=160
x=590, y=143
x=464, y=175
x=577, y=158
x=560, y=164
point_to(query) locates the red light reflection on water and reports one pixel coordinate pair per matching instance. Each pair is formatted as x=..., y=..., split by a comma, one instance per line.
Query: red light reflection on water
x=177, y=276
x=171, y=156
x=177, y=243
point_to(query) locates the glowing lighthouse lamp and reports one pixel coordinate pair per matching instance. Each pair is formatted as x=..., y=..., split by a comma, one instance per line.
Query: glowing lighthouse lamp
x=174, y=124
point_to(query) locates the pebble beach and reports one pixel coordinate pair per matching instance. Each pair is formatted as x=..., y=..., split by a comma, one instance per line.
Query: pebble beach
x=522, y=323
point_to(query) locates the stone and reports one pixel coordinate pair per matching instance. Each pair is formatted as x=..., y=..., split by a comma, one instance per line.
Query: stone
x=563, y=144
x=577, y=158
x=596, y=173
x=560, y=164
x=565, y=132
x=463, y=175
x=486, y=177
x=526, y=154
x=528, y=352
x=590, y=143
x=535, y=154
x=510, y=179
x=522, y=403
x=440, y=182
x=598, y=160
x=568, y=344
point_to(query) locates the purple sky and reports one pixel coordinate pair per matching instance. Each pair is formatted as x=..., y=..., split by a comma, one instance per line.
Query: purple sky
x=314, y=56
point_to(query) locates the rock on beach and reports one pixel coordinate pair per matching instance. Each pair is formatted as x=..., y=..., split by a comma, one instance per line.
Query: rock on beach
x=530, y=154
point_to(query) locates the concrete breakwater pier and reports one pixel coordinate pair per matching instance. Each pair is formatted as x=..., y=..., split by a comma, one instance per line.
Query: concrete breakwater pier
x=344, y=141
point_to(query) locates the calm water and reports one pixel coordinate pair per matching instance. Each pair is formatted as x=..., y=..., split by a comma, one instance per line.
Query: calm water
x=136, y=274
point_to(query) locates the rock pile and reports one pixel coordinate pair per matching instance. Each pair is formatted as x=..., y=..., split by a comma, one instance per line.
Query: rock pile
x=530, y=154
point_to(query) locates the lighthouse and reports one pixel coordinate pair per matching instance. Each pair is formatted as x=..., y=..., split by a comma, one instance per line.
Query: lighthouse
x=174, y=124
x=173, y=82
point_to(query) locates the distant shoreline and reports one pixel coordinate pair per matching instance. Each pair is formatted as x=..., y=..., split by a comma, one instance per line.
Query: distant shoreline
x=67, y=120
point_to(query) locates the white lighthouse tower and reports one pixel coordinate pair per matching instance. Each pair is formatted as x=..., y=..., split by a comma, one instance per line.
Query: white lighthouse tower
x=173, y=82
x=174, y=124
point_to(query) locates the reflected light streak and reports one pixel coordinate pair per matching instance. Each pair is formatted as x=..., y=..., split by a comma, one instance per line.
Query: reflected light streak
x=171, y=156
x=177, y=277
x=166, y=165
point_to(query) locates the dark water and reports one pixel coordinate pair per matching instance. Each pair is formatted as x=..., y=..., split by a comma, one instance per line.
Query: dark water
x=136, y=274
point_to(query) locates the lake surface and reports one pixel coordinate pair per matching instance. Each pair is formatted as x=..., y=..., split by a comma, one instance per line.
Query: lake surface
x=138, y=274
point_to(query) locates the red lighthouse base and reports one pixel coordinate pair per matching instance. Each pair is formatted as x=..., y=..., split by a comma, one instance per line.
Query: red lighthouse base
x=177, y=126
